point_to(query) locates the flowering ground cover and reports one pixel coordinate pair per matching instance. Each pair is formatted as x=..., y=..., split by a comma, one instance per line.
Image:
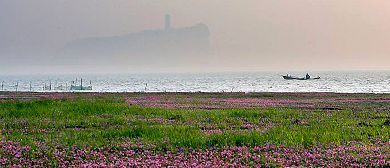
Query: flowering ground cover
x=194, y=129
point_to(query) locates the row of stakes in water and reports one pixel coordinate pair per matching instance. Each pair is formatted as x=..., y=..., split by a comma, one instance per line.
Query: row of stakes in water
x=50, y=87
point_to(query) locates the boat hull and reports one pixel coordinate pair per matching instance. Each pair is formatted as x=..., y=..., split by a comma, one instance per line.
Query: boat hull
x=81, y=88
x=296, y=78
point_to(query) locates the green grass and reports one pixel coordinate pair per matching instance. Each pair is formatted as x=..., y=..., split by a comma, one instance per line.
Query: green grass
x=111, y=121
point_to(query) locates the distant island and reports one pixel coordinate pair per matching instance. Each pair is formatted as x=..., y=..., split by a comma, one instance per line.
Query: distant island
x=169, y=46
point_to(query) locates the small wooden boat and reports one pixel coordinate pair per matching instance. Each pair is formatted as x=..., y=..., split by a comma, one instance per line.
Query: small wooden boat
x=289, y=77
x=79, y=87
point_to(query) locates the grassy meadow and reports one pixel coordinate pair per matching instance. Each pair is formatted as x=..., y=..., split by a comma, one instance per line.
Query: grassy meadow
x=194, y=129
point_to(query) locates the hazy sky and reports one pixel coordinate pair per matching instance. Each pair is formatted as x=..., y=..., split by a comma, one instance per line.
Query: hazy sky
x=248, y=35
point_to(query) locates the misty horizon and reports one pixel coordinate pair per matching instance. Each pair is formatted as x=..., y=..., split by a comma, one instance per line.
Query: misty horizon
x=244, y=36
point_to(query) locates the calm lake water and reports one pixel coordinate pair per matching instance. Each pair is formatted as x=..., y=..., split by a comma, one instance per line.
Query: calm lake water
x=342, y=82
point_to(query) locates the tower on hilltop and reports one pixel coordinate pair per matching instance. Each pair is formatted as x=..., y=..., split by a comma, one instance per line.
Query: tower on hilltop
x=167, y=22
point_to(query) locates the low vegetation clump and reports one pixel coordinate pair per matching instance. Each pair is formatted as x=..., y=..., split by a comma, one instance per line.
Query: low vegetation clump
x=193, y=129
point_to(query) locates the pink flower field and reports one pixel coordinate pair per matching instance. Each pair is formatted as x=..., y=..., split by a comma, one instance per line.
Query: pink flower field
x=351, y=154
x=194, y=130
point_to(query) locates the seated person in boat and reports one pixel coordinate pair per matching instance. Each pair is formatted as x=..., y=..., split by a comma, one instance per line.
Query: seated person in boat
x=307, y=76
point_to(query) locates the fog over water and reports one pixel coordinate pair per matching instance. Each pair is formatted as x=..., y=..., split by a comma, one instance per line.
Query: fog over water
x=251, y=35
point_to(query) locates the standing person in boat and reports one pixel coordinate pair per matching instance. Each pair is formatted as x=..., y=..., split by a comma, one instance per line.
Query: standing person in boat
x=307, y=76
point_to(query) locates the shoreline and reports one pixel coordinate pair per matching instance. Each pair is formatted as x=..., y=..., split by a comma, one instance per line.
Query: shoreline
x=198, y=92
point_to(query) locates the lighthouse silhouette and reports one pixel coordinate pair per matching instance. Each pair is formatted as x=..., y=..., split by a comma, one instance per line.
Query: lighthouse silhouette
x=167, y=22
